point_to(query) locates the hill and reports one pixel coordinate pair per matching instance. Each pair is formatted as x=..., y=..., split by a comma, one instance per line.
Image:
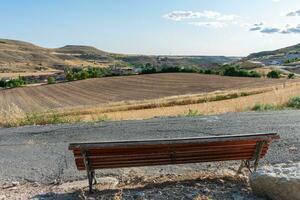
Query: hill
x=19, y=56
x=287, y=50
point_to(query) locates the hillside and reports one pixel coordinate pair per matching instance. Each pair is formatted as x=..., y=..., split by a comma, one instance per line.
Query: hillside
x=291, y=49
x=19, y=56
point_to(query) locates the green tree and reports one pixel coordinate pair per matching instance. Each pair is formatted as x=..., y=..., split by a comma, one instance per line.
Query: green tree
x=273, y=74
x=291, y=76
x=50, y=80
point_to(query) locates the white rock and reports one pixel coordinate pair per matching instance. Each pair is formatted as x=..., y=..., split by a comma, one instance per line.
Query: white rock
x=277, y=182
x=15, y=183
x=2, y=197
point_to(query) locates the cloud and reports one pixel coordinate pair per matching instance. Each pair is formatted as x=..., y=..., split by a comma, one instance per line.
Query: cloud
x=293, y=14
x=257, y=27
x=179, y=15
x=288, y=29
x=213, y=24
x=206, y=18
x=227, y=17
x=270, y=30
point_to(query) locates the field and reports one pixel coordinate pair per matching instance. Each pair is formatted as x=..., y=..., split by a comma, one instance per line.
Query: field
x=115, y=89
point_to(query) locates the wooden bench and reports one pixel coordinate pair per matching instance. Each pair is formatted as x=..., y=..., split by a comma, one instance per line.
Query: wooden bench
x=248, y=148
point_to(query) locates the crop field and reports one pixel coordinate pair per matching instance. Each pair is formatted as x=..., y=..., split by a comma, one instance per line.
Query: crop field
x=115, y=89
x=126, y=88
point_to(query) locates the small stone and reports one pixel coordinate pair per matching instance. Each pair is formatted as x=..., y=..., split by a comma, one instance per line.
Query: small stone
x=15, y=183
x=221, y=181
x=206, y=190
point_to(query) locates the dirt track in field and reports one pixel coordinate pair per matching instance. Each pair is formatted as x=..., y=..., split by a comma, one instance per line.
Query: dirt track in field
x=124, y=88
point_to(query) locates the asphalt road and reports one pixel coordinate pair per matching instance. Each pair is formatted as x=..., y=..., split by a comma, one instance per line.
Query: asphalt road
x=40, y=153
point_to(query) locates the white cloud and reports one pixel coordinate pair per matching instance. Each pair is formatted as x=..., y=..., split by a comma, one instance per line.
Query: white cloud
x=293, y=14
x=211, y=24
x=206, y=18
x=287, y=29
x=227, y=17
x=180, y=15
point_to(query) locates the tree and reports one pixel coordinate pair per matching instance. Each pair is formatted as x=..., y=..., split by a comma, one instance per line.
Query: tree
x=291, y=76
x=50, y=80
x=70, y=76
x=273, y=74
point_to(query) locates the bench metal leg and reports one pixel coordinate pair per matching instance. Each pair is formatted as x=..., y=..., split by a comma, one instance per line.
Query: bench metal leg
x=256, y=157
x=90, y=172
x=258, y=151
x=242, y=165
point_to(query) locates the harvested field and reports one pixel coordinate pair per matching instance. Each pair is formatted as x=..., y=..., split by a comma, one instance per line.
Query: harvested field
x=125, y=88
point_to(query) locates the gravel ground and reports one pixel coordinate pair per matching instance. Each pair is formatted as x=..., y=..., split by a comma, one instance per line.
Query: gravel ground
x=40, y=153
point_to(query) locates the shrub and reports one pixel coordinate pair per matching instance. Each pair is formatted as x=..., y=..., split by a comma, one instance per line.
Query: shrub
x=50, y=80
x=294, y=102
x=232, y=70
x=13, y=83
x=148, y=70
x=291, y=76
x=273, y=74
x=263, y=107
x=192, y=113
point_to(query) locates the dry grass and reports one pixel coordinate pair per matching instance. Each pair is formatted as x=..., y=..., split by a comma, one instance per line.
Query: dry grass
x=277, y=97
x=33, y=73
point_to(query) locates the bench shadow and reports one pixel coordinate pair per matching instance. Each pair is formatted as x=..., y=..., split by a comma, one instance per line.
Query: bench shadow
x=185, y=189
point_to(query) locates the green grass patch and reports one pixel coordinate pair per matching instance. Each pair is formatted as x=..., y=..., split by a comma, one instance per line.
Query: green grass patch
x=294, y=102
x=264, y=107
x=192, y=113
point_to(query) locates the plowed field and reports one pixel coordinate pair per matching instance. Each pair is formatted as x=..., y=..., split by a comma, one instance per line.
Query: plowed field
x=123, y=88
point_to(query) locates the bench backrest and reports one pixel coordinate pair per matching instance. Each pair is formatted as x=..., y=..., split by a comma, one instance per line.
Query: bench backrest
x=101, y=155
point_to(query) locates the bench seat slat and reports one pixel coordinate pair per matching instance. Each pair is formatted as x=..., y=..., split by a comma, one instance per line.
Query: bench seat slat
x=163, y=146
x=167, y=154
x=164, y=163
x=169, y=160
x=137, y=150
x=180, y=141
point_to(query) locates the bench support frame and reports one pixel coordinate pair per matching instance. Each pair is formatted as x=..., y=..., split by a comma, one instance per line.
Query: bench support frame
x=90, y=171
x=256, y=157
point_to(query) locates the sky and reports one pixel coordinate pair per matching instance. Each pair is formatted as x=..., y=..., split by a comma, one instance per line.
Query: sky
x=155, y=27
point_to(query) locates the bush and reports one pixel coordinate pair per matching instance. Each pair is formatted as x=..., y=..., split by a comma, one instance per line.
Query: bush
x=148, y=70
x=231, y=70
x=273, y=74
x=50, y=80
x=192, y=113
x=12, y=83
x=263, y=107
x=294, y=102
x=291, y=76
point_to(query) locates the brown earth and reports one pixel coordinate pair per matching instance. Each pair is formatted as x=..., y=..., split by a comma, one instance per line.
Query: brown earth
x=124, y=88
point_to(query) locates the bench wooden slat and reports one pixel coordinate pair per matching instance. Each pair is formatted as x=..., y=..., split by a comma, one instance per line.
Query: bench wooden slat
x=111, y=166
x=149, y=154
x=106, y=160
x=180, y=141
x=159, y=148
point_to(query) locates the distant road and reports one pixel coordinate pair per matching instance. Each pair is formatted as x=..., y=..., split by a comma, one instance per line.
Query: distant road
x=40, y=153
